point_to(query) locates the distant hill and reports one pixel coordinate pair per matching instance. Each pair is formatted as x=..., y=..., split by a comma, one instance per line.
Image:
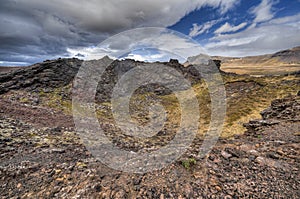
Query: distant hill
x=277, y=63
x=4, y=69
x=285, y=57
x=291, y=56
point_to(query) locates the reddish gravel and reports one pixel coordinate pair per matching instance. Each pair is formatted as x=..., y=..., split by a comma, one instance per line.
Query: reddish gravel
x=36, y=115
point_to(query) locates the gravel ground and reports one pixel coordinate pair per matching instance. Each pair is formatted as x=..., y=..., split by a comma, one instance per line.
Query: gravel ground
x=45, y=162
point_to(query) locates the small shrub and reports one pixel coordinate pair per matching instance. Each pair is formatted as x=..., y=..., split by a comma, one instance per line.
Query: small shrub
x=188, y=163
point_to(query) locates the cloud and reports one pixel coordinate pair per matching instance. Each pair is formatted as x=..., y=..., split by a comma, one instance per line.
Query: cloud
x=160, y=43
x=148, y=57
x=4, y=63
x=34, y=30
x=263, y=12
x=288, y=20
x=112, y=16
x=199, y=29
x=229, y=28
x=268, y=37
x=228, y=5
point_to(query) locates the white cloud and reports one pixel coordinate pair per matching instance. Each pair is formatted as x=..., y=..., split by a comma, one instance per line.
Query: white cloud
x=199, y=29
x=268, y=37
x=263, y=12
x=227, y=5
x=231, y=42
x=291, y=20
x=229, y=28
x=149, y=57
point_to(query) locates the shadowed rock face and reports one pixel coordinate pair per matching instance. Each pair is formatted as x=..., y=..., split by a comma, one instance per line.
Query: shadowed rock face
x=119, y=68
x=49, y=74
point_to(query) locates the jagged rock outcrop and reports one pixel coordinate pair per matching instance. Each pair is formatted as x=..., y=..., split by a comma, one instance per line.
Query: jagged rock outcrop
x=49, y=74
x=281, y=110
x=118, y=68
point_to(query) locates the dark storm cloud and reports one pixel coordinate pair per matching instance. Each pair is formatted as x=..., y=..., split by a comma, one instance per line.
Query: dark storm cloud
x=34, y=30
x=31, y=35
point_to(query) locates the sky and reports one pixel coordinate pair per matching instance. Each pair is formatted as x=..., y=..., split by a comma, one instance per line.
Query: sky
x=34, y=30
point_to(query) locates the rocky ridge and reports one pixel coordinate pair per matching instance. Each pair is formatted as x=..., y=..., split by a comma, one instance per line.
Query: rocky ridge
x=52, y=74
